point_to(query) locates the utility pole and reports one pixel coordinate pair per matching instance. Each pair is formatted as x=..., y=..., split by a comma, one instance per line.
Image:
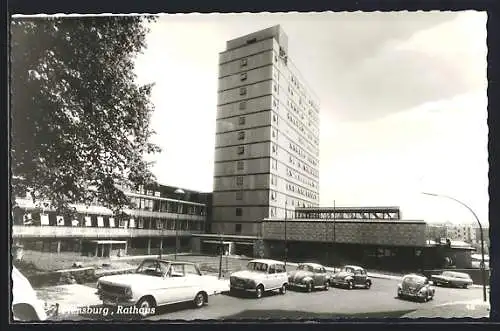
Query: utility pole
x=286, y=243
x=221, y=249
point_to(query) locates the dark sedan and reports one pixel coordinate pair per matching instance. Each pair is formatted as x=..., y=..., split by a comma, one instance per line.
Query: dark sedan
x=350, y=277
x=309, y=276
x=452, y=278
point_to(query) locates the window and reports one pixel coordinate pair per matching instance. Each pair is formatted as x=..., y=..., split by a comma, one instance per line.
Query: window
x=239, y=211
x=176, y=270
x=241, y=120
x=275, y=149
x=241, y=135
x=243, y=90
x=273, y=211
x=243, y=62
x=238, y=228
x=239, y=195
x=272, y=269
x=273, y=180
x=190, y=269
x=243, y=76
x=280, y=268
x=274, y=164
x=243, y=105
x=273, y=195
x=241, y=150
x=239, y=180
x=275, y=118
x=240, y=165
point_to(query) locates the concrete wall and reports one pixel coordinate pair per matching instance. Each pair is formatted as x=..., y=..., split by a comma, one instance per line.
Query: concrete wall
x=374, y=233
x=248, y=227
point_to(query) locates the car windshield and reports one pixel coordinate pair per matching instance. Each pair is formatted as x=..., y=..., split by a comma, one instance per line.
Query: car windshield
x=257, y=266
x=348, y=269
x=305, y=267
x=153, y=268
x=414, y=280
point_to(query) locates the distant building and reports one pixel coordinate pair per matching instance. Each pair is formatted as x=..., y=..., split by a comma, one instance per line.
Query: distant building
x=458, y=232
x=267, y=135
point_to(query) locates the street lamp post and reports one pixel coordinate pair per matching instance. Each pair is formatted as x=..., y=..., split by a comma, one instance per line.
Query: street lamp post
x=483, y=270
x=178, y=191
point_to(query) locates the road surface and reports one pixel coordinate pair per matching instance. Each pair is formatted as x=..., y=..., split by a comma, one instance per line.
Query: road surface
x=381, y=297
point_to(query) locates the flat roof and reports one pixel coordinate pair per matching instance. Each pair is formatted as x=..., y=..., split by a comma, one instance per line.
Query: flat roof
x=371, y=208
x=331, y=220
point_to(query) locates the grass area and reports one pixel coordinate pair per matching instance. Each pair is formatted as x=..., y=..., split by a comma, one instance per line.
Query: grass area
x=290, y=314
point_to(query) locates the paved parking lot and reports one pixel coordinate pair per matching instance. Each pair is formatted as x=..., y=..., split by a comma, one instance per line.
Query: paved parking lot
x=378, y=301
x=320, y=304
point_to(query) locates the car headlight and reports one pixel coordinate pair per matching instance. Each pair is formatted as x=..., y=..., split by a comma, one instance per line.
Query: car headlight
x=128, y=292
x=400, y=287
x=99, y=286
x=422, y=290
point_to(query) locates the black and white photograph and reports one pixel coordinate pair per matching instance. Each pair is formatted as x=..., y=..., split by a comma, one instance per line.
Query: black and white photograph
x=249, y=166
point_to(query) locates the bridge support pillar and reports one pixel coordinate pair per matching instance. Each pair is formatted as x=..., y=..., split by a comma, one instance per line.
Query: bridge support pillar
x=149, y=246
x=58, y=246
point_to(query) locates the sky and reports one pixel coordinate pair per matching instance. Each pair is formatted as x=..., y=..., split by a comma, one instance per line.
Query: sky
x=403, y=103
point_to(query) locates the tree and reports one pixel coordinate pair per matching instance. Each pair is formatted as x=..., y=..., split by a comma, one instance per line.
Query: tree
x=79, y=122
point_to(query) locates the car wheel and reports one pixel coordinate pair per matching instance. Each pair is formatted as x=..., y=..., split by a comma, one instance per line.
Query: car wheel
x=259, y=291
x=350, y=285
x=368, y=284
x=327, y=285
x=283, y=289
x=309, y=287
x=199, y=300
x=146, y=306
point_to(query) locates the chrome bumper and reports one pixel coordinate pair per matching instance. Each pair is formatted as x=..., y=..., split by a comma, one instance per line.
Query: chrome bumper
x=113, y=300
x=292, y=284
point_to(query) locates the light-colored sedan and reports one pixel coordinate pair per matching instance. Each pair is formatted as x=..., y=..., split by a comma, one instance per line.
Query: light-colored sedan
x=309, y=276
x=26, y=307
x=261, y=275
x=155, y=283
x=452, y=278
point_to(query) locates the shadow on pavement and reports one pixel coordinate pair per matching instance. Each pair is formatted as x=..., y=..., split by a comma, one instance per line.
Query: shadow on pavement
x=107, y=313
x=294, y=315
x=249, y=294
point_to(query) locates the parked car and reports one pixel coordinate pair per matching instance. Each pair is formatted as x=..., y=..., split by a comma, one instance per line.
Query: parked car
x=155, y=282
x=26, y=307
x=351, y=276
x=452, y=278
x=261, y=275
x=416, y=287
x=309, y=276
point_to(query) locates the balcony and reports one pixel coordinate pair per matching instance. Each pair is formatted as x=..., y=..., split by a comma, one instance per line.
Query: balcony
x=20, y=231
